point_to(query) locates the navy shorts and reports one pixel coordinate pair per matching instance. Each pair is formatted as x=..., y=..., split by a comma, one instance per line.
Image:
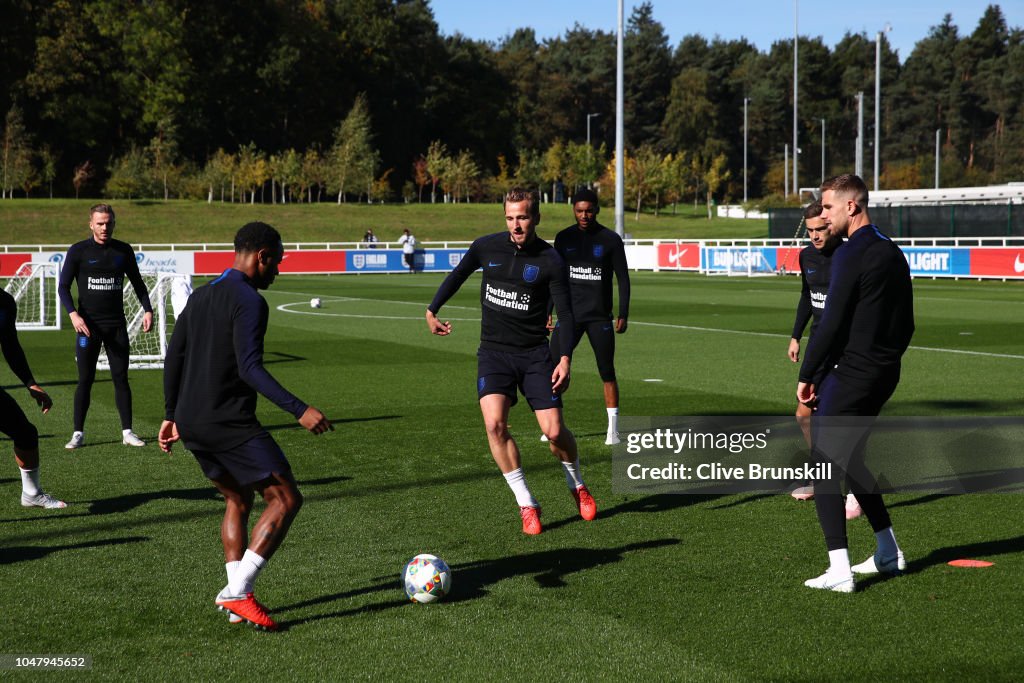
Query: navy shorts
x=500, y=372
x=14, y=424
x=601, y=334
x=249, y=462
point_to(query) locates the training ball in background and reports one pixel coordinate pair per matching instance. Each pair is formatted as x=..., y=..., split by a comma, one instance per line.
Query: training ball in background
x=315, y=302
x=427, y=578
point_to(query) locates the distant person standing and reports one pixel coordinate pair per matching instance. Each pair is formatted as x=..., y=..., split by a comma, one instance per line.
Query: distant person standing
x=99, y=265
x=865, y=329
x=408, y=242
x=13, y=422
x=594, y=254
x=213, y=372
x=370, y=240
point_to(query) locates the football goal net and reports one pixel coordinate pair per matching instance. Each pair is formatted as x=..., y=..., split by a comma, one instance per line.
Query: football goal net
x=34, y=288
x=168, y=293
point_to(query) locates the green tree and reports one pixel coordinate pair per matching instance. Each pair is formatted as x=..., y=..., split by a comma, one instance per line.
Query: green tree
x=462, y=174
x=130, y=176
x=16, y=169
x=437, y=163
x=219, y=173
x=353, y=160
x=554, y=166
x=648, y=63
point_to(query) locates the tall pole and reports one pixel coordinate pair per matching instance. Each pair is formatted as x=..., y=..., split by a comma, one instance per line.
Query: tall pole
x=620, y=173
x=796, y=90
x=823, y=151
x=938, y=150
x=858, y=166
x=878, y=95
x=746, y=101
x=785, y=169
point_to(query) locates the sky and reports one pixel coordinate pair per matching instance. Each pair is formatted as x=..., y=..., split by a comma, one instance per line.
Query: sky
x=761, y=22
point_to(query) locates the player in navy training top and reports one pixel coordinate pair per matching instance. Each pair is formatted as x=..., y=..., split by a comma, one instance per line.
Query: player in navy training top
x=99, y=265
x=815, y=267
x=213, y=371
x=863, y=333
x=594, y=254
x=13, y=422
x=521, y=274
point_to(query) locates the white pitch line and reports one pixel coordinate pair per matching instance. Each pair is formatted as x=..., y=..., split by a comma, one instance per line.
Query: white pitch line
x=693, y=328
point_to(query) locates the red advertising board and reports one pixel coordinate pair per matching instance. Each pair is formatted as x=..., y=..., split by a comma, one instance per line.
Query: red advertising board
x=9, y=263
x=787, y=259
x=215, y=262
x=997, y=262
x=679, y=255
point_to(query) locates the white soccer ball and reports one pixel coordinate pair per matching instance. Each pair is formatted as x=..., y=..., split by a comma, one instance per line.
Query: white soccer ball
x=315, y=302
x=427, y=578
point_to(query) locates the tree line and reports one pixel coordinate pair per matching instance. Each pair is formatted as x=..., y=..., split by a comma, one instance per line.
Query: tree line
x=365, y=100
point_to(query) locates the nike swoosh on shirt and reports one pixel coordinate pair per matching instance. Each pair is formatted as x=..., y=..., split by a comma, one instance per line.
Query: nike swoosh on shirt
x=490, y=264
x=568, y=249
x=811, y=271
x=93, y=260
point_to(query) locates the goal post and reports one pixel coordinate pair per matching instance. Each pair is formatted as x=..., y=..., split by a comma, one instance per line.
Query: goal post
x=34, y=288
x=168, y=293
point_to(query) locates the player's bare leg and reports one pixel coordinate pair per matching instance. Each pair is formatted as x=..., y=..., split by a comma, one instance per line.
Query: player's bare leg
x=505, y=451
x=563, y=446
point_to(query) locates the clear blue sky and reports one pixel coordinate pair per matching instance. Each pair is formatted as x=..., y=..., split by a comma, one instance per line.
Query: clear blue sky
x=761, y=22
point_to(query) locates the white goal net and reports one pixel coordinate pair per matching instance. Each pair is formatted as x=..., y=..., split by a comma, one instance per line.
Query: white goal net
x=168, y=292
x=34, y=288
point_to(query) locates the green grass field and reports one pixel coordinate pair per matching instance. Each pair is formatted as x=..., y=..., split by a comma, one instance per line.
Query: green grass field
x=656, y=588
x=65, y=221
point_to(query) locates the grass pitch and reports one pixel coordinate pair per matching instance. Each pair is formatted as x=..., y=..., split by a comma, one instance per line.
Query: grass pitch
x=657, y=588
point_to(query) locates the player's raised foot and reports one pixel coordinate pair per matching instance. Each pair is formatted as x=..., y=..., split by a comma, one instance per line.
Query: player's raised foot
x=611, y=439
x=853, y=510
x=247, y=609
x=77, y=441
x=130, y=438
x=585, y=502
x=42, y=500
x=803, y=492
x=837, y=583
x=531, y=520
x=544, y=438
x=893, y=565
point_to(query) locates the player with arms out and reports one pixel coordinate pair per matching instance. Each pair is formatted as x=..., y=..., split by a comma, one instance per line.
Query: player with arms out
x=99, y=265
x=593, y=254
x=815, y=267
x=213, y=371
x=521, y=273
x=863, y=333
x=13, y=421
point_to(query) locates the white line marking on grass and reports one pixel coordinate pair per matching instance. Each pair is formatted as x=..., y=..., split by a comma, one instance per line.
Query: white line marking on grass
x=376, y=301
x=287, y=308
x=652, y=379
x=963, y=352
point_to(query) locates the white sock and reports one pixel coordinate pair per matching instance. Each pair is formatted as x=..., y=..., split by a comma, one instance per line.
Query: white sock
x=516, y=481
x=30, y=482
x=126, y=432
x=839, y=562
x=230, y=568
x=886, y=540
x=613, y=420
x=244, y=576
x=573, y=478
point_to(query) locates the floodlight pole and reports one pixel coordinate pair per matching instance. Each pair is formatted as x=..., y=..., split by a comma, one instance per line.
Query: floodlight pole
x=785, y=169
x=823, y=151
x=938, y=151
x=590, y=152
x=746, y=101
x=878, y=94
x=620, y=179
x=796, y=89
x=858, y=165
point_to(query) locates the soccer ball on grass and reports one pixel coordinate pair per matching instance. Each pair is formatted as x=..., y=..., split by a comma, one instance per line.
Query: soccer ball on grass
x=315, y=302
x=427, y=578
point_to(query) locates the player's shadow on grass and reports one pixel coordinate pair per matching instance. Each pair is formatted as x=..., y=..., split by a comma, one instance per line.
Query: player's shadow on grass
x=470, y=581
x=28, y=553
x=334, y=421
x=940, y=556
x=107, y=506
x=656, y=503
x=281, y=357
